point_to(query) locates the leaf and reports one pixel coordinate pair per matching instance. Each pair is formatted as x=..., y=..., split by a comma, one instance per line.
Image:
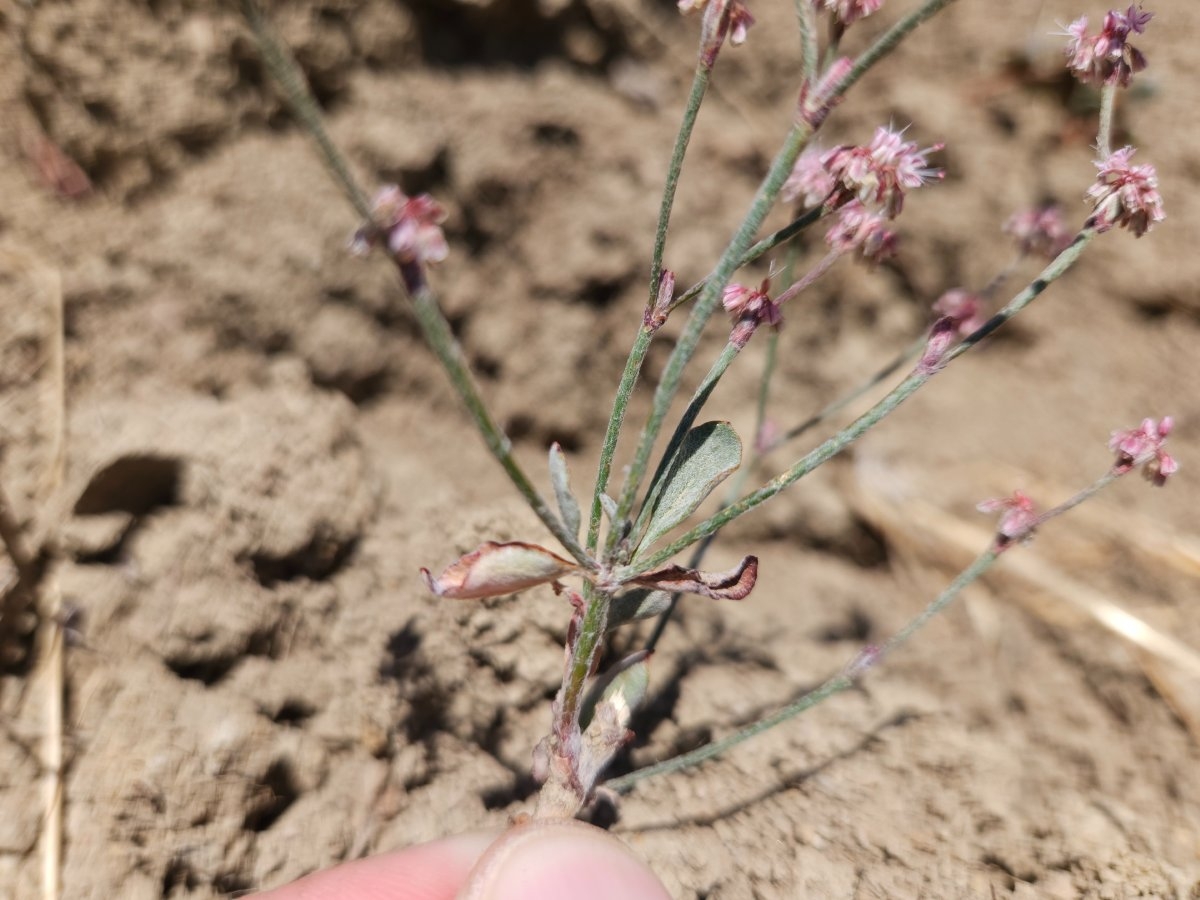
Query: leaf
x=708, y=454
x=609, y=505
x=624, y=685
x=567, y=504
x=493, y=570
x=633, y=605
x=735, y=584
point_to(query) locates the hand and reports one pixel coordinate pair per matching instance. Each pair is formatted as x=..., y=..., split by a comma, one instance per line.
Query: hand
x=535, y=861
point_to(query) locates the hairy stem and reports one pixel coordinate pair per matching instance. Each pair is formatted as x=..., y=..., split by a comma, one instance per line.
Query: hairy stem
x=437, y=334
x=806, y=18
x=304, y=106
x=1104, y=134
x=637, y=355
x=827, y=689
x=871, y=656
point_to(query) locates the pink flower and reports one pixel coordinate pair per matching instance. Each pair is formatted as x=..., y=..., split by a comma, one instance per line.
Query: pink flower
x=1018, y=516
x=1040, y=231
x=964, y=309
x=850, y=11
x=857, y=228
x=740, y=21
x=880, y=172
x=816, y=100
x=1144, y=446
x=1108, y=58
x=810, y=180
x=742, y=302
x=410, y=226
x=1125, y=194
x=722, y=18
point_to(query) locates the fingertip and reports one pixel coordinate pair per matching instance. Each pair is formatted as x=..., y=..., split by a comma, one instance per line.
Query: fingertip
x=552, y=860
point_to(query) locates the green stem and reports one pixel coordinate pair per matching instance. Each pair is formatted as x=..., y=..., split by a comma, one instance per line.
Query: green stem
x=691, y=111
x=304, y=106
x=637, y=355
x=872, y=656
x=437, y=334
x=869, y=419
x=583, y=655
x=907, y=355
x=834, y=685
x=1108, y=102
x=806, y=18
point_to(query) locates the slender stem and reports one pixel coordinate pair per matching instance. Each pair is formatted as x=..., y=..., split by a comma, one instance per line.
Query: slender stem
x=637, y=355
x=710, y=381
x=806, y=18
x=440, y=339
x=764, y=389
x=911, y=352
x=887, y=42
x=804, y=283
x=873, y=416
x=695, y=98
x=870, y=656
x=303, y=105
x=595, y=620
x=1104, y=134
x=629, y=377
x=831, y=686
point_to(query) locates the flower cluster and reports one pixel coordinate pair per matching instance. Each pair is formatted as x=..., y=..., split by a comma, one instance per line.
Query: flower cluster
x=750, y=307
x=850, y=11
x=964, y=309
x=879, y=172
x=1107, y=58
x=1126, y=195
x=1018, y=516
x=810, y=181
x=721, y=18
x=1039, y=231
x=1144, y=446
x=409, y=226
x=858, y=228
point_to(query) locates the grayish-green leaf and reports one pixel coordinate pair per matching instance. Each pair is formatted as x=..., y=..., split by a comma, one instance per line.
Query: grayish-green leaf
x=708, y=455
x=610, y=508
x=638, y=604
x=567, y=504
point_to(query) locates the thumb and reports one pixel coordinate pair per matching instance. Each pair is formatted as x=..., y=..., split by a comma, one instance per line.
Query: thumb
x=552, y=860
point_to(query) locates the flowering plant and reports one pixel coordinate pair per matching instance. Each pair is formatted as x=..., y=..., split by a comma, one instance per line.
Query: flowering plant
x=622, y=546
